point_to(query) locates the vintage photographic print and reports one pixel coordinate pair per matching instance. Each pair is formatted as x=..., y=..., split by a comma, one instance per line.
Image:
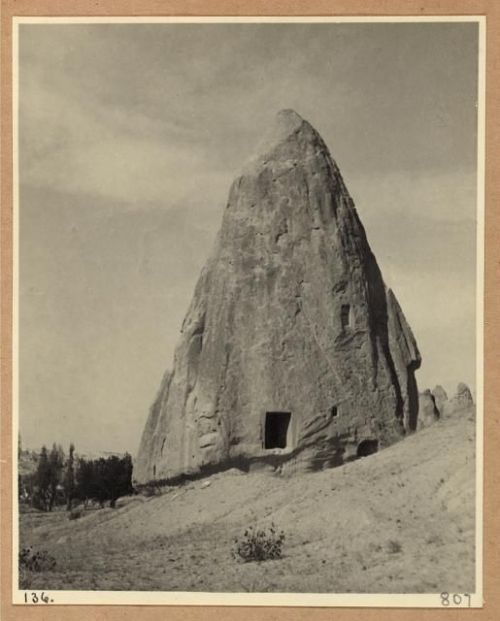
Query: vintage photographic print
x=248, y=316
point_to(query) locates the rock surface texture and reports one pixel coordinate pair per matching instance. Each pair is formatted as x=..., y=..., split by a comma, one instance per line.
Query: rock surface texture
x=428, y=412
x=440, y=397
x=461, y=399
x=293, y=354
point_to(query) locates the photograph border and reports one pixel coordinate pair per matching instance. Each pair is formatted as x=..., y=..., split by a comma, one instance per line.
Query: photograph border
x=9, y=346
x=270, y=599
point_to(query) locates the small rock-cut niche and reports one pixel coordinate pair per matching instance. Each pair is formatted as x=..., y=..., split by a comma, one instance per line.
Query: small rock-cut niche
x=276, y=429
x=367, y=447
x=334, y=411
x=346, y=316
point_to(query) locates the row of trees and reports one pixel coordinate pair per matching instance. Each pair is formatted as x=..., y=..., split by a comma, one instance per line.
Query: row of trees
x=103, y=479
x=65, y=480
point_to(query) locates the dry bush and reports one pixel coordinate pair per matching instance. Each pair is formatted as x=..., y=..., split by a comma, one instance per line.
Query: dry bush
x=36, y=561
x=258, y=544
x=75, y=514
x=150, y=489
x=394, y=547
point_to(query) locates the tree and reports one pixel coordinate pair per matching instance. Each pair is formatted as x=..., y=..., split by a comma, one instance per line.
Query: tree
x=104, y=479
x=56, y=466
x=84, y=478
x=42, y=481
x=69, y=478
x=119, y=477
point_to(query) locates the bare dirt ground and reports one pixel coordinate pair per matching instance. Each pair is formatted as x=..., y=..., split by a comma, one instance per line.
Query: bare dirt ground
x=400, y=521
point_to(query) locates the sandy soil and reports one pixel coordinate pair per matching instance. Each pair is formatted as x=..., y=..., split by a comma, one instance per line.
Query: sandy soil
x=400, y=521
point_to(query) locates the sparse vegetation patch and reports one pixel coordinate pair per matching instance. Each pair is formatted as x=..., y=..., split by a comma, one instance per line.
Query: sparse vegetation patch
x=32, y=560
x=394, y=547
x=75, y=514
x=259, y=544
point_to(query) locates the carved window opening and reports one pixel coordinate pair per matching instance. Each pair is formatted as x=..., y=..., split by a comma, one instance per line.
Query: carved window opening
x=276, y=429
x=367, y=447
x=346, y=316
x=197, y=336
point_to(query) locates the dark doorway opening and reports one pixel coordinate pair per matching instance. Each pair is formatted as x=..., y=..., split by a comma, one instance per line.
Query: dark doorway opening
x=276, y=429
x=367, y=447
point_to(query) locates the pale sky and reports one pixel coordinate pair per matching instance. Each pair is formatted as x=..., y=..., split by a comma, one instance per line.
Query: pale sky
x=130, y=136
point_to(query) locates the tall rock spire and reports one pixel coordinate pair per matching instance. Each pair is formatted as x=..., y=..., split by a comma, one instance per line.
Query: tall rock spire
x=292, y=352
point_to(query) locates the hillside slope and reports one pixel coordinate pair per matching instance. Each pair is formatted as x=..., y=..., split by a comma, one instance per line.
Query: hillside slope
x=399, y=521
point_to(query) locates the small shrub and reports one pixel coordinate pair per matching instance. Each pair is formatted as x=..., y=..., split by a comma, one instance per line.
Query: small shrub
x=150, y=489
x=258, y=544
x=36, y=561
x=394, y=547
x=75, y=514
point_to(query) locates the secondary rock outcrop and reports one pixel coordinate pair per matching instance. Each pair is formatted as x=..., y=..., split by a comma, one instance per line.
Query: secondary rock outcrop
x=293, y=353
x=461, y=400
x=440, y=397
x=428, y=412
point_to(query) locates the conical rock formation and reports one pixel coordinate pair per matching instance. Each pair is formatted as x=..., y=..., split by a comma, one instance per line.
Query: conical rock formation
x=428, y=412
x=440, y=397
x=292, y=352
x=461, y=400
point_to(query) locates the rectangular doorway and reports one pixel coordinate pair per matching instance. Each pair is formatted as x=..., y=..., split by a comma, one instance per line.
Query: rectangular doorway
x=276, y=429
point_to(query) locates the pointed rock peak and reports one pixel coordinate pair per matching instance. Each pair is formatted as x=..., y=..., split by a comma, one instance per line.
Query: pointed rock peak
x=440, y=393
x=464, y=394
x=286, y=123
x=462, y=389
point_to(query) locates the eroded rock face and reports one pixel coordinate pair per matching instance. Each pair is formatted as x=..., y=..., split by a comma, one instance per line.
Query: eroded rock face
x=428, y=412
x=292, y=352
x=440, y=397
x=462, y=399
